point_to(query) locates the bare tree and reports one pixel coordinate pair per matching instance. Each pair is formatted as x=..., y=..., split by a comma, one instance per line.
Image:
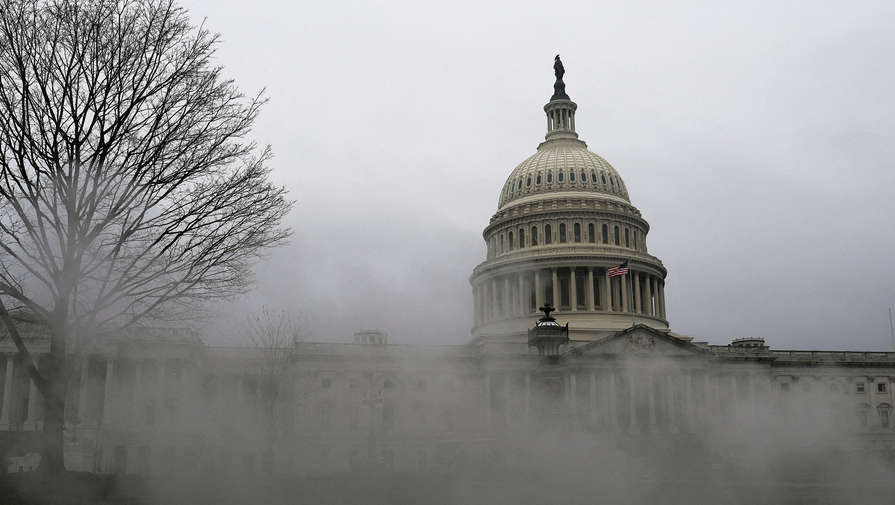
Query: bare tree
x=275, y=335
x=128, y=189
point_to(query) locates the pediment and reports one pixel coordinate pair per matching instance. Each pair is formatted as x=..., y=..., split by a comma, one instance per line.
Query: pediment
x=639, y=340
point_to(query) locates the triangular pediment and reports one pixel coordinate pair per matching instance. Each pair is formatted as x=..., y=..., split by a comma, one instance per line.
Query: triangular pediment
x=639, y=340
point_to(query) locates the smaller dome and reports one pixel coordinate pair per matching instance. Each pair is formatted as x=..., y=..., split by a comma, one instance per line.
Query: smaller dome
x=562, y=165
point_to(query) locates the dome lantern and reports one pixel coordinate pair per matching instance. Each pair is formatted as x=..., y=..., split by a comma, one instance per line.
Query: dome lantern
x=561, y=109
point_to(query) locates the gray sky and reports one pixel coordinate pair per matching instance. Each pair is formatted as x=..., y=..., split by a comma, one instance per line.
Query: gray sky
x=755, y=137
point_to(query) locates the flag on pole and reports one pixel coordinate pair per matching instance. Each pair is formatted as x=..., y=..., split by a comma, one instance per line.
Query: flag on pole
x=619, y=270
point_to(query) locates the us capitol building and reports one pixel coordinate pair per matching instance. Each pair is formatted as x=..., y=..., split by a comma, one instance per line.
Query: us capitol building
x=605, y=364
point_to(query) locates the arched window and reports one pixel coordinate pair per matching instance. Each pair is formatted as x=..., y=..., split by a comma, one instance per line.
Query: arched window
x=617, y=241
x=521, y=238
x=501, y=243
x=590, y=233
x=548, y=234
x=627, y=239
x=528, y=182
x=612, y=181
x=538, y=179
x=571, y=176
x=549, y=176
x=583, y=176
x=593, y=176
x=577, y=231
x=603, y=176
x=605, y=233
x=534, y=236
x=510, y=239
x=562, y=232
x=635, y=238
x=559, y=176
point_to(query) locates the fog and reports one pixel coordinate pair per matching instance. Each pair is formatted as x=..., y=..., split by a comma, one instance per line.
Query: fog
x=755, y=139
x=406, y=426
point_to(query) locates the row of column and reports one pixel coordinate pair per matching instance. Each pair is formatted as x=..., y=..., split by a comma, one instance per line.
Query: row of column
x=561, y=119
x=10, y=413
x=522, y=293
x=634, y=405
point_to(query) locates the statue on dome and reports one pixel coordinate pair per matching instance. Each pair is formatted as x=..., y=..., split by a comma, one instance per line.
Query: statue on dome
x=559, y=87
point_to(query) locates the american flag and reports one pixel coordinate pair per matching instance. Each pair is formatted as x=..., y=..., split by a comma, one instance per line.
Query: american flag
x=619, y=270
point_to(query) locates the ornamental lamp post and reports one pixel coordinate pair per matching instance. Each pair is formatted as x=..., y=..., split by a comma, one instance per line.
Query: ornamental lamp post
x=548, y=335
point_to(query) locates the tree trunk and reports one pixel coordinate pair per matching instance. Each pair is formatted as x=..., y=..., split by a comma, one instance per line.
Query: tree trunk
x=52, y=453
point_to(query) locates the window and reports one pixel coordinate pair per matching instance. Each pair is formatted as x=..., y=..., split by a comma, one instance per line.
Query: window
x=859, y=387
x=549, y=176
x=627, y=239
x=571, y=176
x=881, y=387
x=528, y=182
x=577, y=231
x=326, y=383
x=548, y=234
x=510, y=239
x=521, y=238
x=388, y=384
x=593, y=177
x=883, y=411
x=784, y=386
x=635, y=239
x=562, y=233
x=590, y=233
x=534, y=235
x=501, y=244
x=538, y=179
x=559, y=176
x=617, y=241
x=603, y=176
x=605, y=230
x=583, y=177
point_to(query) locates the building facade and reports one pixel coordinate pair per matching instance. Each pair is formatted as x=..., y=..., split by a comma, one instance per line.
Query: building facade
x=157, y=401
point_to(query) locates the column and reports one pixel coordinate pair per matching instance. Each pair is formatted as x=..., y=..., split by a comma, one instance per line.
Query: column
x=555, y=288
x=632, y=403
x=613, y=403
x=5, y=414
x=35, y=410
x=137, y=393
x=507, y=393
x=573, y=290
x=495, y=307
x=649, y=296
x=638, y=303
x=672, y=415
x=690, y=415
x=590, y=289
x=523, y=295
x=623, y=280
x=607, y=299
x=109, y=391
x=528, y=397
x=708, y=397
x=488, y=401
x=82, y=399
x=507, y=302
x=539, y=292
x=593, y=398
x=661, y=288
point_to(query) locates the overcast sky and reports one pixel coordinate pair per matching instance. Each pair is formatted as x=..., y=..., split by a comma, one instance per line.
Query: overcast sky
x=755, y=137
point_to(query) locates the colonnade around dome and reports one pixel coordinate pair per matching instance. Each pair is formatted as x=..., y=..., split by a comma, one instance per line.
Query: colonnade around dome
x=571, y=289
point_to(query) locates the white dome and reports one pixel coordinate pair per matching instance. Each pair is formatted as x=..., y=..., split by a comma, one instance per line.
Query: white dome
x=562, y=165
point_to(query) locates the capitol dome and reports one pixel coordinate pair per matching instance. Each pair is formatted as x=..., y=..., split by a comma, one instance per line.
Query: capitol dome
x=562, y=165
x=563, y=229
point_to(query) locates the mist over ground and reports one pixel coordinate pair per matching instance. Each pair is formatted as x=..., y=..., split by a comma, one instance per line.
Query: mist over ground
x=754, y=138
